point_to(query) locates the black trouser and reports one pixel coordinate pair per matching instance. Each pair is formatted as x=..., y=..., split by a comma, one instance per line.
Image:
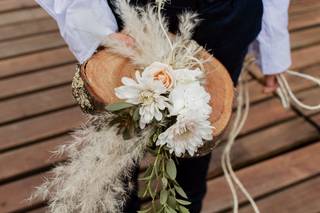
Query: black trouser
x=227, y=29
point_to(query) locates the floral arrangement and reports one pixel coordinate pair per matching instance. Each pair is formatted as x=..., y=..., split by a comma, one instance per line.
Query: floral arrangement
x=163, y=110
x=174, y=104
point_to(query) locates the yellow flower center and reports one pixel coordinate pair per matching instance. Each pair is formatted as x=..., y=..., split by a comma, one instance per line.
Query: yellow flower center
x=146, y=97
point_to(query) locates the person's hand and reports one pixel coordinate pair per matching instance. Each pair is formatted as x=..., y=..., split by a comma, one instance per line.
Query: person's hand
x=270, y=83
x=128, y=40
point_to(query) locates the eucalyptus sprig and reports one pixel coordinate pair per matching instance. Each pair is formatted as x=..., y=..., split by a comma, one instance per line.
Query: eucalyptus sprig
x=161, y=185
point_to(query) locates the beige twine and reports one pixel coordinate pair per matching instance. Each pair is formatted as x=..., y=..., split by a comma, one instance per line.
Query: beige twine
x=287, y=97
x=243, y=105
x=286, y=94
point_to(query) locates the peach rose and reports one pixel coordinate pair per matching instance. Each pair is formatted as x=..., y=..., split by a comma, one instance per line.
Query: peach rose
x=160, y=72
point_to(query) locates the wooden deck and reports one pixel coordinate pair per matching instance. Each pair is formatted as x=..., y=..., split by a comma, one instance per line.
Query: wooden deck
x=276, y=157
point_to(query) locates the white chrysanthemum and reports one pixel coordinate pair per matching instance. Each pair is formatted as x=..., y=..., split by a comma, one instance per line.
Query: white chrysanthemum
x=186, y=97
x=186, y=76
x=187, y=134
x=147, y=92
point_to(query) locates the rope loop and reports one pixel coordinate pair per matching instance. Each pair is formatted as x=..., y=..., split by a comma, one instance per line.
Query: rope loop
x=286, y=94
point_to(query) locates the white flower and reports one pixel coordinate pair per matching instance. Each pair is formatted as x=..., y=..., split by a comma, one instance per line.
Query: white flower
x=187, y=134
x=186, y=97
x=148, y=93
x=160, y=72
x=186, y=76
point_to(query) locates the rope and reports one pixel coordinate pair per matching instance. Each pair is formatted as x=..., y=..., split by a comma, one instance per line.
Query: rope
x=243, y=101
x=287, y=97
x=286, y=94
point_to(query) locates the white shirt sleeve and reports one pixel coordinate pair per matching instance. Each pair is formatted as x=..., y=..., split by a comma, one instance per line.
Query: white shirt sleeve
x=83, y=23
x=273, y=42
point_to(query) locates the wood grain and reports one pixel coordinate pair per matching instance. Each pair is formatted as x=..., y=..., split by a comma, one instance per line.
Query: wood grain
x=266, y=177
x=293, y=199
x=30, y=62
x=38, y=128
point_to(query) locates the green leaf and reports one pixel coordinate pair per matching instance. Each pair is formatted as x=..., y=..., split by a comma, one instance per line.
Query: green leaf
x=155, y=137
x=171, y=169
x=118, y=106
x=164, y=182
x=147, y=173
x=144, y=210
x=164, y=196
x=152, y=193
x=136, y=115
x=172, y=202
x=181, y=191
x=171, y=210
x=183, y=202
x=183, y=209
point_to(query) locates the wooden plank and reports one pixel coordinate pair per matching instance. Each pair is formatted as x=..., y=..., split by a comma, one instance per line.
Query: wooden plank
x=303, y=197
x=38, y=128
x=266, y=113
x=15, y=194
x=316, y=119
x=256, y=92
x=6, y=5
x=306, y=19
x=305, y=37
x=36, y=181
x=266, y=143
x=30, y=44
x=27, y=28
x=265, y=177
x=300, y=6
x=305, y=60
x=298, y=84
x=309, y=97
x=22, y=16
x=26, y=159
x=36, y=103
x=306, y=57
x=36, y=81
x=27, y=63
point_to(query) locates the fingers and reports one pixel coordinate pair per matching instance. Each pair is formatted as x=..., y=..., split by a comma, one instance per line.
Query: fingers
x=128, y=40
x=271, y=84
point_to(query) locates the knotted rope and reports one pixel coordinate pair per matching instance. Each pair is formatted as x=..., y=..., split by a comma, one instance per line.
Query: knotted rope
x=286, y=94
x=243, y=104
